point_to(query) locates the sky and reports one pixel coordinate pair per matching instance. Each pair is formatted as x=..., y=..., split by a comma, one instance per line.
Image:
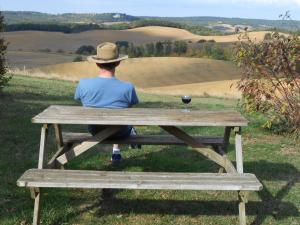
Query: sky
x=260, y=9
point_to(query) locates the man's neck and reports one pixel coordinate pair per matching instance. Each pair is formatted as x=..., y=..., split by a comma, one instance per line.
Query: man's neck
x=106, y=73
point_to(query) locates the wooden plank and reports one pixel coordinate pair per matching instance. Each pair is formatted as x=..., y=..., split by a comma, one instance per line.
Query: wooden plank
x=53, y=162
x=44, y=134
x=207, y=152
x=171, y=177
x=143, y=139
x=58, y=136
x=108, y=179
x=86, y=145
x=239, y=151
x=76, y=173
x=138, y=116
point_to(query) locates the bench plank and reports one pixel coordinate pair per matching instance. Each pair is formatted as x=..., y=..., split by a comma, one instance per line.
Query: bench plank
x=138, y=180
x=70, y=137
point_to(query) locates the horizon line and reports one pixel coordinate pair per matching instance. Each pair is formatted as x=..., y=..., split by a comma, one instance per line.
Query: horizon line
x=143, y=15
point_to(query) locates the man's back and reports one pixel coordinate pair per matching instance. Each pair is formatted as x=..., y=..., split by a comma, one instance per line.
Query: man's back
x=102, y=92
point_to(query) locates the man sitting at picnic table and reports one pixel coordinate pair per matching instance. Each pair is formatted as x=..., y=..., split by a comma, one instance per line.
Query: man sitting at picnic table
x=106, y=91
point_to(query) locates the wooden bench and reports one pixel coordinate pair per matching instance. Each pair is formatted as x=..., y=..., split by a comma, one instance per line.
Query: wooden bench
x=70, y=137
x=169, y=120
x=45, y=178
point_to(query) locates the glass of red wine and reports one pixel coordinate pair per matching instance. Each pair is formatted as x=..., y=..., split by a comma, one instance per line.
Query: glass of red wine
x=186, y=99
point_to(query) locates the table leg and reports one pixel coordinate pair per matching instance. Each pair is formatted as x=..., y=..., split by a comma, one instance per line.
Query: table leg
x=86, y=145
x=61, y=147
x=243, y=199
x=238, y=149
x=207, y=152
x=224, y=148
x=226, y=138
x=36, y=195
x=44, y=135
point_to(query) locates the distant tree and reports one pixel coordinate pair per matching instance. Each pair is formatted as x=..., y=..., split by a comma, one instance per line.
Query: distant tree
x=168, y=48
x=4, y=78
x=218, y=53
x=78, y=58
x=60, y=50
x=86, y=50
x=180, y=47
x=150, y=49
x=131, y=50
x=139, y=51
x=122, y=43
x=46, y=50
x=159, y=49
x=202, y=41
x=123, y=46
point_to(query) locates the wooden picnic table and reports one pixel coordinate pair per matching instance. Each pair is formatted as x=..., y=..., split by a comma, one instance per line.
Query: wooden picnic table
x=169, y=120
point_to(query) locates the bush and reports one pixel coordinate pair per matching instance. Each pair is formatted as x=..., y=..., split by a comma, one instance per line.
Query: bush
x=78, y=59
x=271, y=82
x=86, y=50
x=46, y=50
x=60, y=51
x=202, y=41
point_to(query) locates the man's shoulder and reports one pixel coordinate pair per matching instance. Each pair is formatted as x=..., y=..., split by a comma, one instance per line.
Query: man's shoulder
x=126, y=84
x=87, y=80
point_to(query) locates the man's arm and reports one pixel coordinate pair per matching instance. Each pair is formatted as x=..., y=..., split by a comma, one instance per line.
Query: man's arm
x=133, y=98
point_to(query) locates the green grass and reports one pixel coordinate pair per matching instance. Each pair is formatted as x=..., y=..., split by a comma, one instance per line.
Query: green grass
x=273, y=158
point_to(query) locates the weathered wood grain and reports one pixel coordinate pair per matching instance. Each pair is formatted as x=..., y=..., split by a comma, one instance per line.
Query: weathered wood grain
x=138, y=116
x=141, y=180
x=239, y=150
x=43, y=140
x=142, y=139
x=207, y=152
x=86, y=145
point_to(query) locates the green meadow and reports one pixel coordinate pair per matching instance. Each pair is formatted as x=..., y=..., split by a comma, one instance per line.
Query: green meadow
x=274, y=159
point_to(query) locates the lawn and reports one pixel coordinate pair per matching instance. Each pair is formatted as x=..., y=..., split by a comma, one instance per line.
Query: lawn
x=274, y=159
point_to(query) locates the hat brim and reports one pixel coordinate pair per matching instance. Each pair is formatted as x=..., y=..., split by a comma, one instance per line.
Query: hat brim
x=95, y=59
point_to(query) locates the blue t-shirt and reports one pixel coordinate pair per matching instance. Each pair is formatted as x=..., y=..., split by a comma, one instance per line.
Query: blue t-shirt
x=102, y=92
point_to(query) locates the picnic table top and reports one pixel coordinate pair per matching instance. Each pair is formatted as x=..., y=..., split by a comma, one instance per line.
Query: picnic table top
x=58, y=114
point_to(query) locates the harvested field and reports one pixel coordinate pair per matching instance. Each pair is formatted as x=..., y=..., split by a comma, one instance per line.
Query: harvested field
x=223, y=89
x=35, y=40
x=151, y=72
x=165, y=75
x=22, y=59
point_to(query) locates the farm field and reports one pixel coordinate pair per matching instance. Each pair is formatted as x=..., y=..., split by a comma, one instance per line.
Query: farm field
x=27, y=59
x=273, y=158
x=35, y=40
x=165, y=75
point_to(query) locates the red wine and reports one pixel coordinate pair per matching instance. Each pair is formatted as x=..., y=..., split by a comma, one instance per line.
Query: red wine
x=186, y=99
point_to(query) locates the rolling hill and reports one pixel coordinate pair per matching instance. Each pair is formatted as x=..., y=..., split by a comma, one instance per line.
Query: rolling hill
x=166, y=75
x=36, y=40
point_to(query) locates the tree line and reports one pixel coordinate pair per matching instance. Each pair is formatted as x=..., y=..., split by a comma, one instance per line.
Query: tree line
x=208, y=49
x=81, y=27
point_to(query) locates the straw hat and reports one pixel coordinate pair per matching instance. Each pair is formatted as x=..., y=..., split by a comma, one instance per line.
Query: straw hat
x=107, y=53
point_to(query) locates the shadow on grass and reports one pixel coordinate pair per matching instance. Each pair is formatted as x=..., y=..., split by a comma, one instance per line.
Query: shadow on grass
x=269, y=205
